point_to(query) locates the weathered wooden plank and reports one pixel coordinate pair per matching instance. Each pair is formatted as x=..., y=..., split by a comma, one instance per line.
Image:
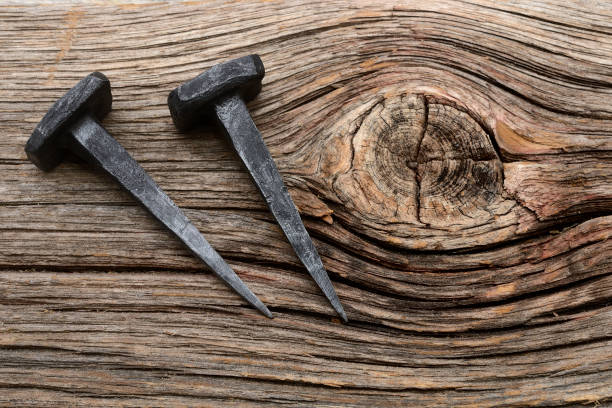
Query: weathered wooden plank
x=452, y=163
x=154, y=319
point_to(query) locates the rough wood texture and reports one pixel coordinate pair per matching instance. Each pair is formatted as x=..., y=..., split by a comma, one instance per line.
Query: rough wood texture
x=451, y=159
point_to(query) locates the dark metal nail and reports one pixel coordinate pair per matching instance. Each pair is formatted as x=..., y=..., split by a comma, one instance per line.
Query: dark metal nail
x=72, y=124
x=220, y=93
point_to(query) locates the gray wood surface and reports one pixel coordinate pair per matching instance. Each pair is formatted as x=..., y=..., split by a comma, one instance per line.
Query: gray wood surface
x=451, y=160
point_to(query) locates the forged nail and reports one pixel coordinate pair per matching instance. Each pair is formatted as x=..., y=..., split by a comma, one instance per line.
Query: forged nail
x=220, y=94
x=72, y=124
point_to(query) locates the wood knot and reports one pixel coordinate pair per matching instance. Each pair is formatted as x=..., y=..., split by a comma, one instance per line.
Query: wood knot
x=416, y=161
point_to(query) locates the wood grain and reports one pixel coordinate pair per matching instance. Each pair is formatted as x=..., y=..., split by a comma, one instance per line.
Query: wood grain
x=452, y=163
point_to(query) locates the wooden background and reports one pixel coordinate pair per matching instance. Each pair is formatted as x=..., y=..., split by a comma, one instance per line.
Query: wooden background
x=451, y=159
